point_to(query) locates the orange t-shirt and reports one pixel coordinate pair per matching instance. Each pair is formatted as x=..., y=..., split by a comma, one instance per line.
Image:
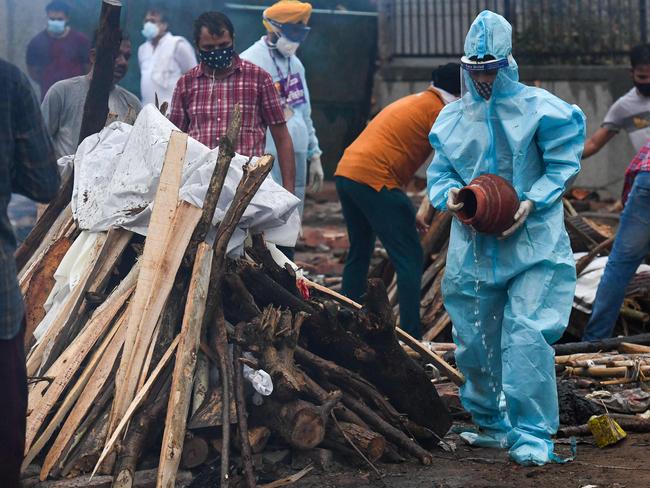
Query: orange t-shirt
x=394, y=144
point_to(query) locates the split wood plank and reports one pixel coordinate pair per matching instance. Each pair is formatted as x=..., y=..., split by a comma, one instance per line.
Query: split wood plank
x=137, y=400
x=40, y=286
x=72, y=396
x=67, y=312
x=184, y=368
x=409, y=340
x=86, y=400
x=56, y=232
x=63, y=370
x=183, y=225
x=158, y=246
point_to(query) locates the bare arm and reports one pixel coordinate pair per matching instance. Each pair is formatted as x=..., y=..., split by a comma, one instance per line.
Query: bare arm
x=286, y=158
x=596, y=142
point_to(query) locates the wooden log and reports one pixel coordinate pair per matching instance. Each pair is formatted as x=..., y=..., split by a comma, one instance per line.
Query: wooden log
x=627, y=423
x=603, y=345
x=195, y=451
x=392, y=371
x=633, y=348
x=275, y=335
x=138, y=432
x=286, y=277
x=258, y=437
x=370, y=443
x=391, y=433
x=40, y=286
x=210, y=413
x=183, y=376
x=299, y=423
x=108, y=45
x=163, y=250
x=242, y=413
x=268, y=292
x=201, y=382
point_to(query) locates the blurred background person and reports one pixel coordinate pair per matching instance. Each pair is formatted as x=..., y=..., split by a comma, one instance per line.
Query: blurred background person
x=163, y=58
x=58, y=52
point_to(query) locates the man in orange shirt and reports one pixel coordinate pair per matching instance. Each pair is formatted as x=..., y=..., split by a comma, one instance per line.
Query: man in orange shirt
x=369, y=178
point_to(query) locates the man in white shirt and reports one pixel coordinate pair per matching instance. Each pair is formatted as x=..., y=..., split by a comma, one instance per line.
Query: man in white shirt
x=163, y=59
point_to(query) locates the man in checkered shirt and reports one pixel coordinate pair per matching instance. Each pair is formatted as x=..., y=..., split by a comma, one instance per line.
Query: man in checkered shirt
x=28, y=167
x=205, y=96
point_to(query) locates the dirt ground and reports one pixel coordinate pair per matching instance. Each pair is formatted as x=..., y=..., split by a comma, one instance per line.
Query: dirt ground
x=621, y=466
x=321, y=251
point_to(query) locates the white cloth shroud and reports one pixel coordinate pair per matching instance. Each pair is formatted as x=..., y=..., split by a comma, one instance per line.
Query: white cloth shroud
x=589, y=279
x=117, y=173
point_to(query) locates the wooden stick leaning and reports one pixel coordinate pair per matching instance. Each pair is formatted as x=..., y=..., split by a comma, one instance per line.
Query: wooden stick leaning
x=137, y=400
x=184, y=368
x=411, y=341
x=242, y=414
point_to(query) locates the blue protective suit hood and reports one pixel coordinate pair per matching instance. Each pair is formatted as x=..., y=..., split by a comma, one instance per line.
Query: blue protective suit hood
x=510, y=299
x=489, y=34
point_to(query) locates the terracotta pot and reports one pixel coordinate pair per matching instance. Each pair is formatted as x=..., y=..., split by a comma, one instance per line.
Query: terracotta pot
x=490, y=204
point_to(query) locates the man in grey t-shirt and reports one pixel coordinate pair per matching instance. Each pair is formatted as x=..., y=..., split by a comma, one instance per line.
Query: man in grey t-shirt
x=63, y=104
x=631, y=112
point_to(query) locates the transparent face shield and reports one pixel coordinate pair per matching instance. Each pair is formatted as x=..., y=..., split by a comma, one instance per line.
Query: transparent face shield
x=477, y=78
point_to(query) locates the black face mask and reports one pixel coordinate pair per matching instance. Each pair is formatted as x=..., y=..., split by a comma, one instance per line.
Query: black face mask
x=644, y=88
x=484, y=88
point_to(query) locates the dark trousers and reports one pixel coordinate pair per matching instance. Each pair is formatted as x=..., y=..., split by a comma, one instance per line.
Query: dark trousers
x=389, y=215
x=13, y=409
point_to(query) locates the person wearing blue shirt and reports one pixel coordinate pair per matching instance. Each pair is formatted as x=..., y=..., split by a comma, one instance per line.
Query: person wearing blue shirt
x=509, y=296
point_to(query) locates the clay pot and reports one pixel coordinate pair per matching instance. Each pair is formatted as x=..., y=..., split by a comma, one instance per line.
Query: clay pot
x=490, y=204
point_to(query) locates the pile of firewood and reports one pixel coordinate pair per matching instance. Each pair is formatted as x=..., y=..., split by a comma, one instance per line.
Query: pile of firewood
x=145, y=356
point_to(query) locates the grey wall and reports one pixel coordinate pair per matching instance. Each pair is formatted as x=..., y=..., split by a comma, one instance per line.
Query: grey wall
x=592, y=88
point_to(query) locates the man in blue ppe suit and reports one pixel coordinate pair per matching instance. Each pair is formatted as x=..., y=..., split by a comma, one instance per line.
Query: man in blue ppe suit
x=509, y=296
x=286, y=25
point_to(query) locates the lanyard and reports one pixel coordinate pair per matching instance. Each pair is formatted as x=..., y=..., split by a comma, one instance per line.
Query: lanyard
x=282, y=78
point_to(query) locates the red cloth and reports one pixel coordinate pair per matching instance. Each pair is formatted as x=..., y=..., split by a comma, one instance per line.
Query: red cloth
x=58, y=58
x=201, y=106
x=640, y=163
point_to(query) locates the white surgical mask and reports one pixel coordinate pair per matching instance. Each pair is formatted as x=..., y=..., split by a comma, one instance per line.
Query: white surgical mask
x=150, y=30
x=286, y=47
x=55, y=27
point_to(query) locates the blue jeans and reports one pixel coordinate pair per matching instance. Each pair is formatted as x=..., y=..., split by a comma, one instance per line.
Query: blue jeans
x=631, y=246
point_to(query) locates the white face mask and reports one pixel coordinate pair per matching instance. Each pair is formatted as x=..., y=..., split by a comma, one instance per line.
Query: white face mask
x=150, y=30
x=286, y=47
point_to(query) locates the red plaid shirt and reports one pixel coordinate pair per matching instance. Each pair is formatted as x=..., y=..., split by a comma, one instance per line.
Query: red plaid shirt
x=201, y=105
x=640, y=163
